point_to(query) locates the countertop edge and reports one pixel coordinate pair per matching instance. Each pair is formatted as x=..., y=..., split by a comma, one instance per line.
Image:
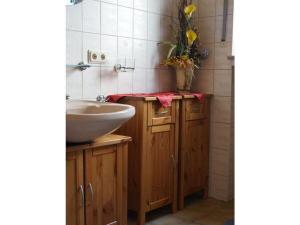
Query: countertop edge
x=109, y=139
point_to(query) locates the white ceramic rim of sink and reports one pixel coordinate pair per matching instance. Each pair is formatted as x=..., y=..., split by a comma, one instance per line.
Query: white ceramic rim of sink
x=100, y=116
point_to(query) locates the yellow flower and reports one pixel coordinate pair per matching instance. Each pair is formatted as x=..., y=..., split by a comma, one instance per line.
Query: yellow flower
x=191, y=36
x=189, y=9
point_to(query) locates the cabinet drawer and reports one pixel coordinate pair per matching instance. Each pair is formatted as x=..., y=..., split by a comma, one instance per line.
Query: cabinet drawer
x=195, y=110
x=158, y=115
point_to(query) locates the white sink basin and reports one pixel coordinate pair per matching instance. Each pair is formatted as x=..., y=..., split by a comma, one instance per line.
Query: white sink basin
x=87, y=120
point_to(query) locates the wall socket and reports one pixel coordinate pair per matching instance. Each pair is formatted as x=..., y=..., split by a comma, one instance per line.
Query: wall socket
x=97, y=57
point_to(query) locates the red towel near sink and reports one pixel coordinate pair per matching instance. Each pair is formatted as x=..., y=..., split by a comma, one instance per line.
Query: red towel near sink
x=199, y=96
x=165, y=98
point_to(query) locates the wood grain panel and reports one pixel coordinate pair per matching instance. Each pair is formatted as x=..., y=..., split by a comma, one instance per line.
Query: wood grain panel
x=194, y=149
x=74, y=178
x=160, y=166
x=101, y=174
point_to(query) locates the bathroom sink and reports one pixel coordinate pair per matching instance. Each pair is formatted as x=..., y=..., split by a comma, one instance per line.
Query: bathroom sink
x=87, y=120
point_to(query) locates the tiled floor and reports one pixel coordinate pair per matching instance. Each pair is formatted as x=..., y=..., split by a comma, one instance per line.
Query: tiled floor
x=196, y=212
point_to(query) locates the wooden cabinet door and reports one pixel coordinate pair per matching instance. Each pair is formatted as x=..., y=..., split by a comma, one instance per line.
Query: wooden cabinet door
x=196, y=156
x=74, y=188
x=105, y=185
x=160, y=161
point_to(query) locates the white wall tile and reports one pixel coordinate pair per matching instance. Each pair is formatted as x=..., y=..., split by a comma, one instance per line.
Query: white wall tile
x=154, y=57
x=141, y=4
x=139, y=81
x=153, y=27
x=109, y=45
x=140, y=24
x=127, y=3
x=125, y=82
x=74, y=17
x=90, y=42
x=125, y=48
x=110, y=1
x=74, y=83
x=140, y=53
x=109, y=81
x=125, y=22
x=154, y=6
x=91, y=16
x=109, y=19
x=91, y=83
x=73, y=47
x=152, y=81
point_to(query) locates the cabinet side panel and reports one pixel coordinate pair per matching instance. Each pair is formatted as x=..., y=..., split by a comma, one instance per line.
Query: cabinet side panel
x=133, y=128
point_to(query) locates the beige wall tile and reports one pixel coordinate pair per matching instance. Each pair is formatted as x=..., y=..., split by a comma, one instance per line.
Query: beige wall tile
x=206, y=28
x=221, y=136
x=207, y=8
x=209, y=62
x=219, y=28
x=219, y=187
x=220, y=162
x=219, y=7
x=222, y=51
x=221, y=109
x=222, y=82
x=203, y=81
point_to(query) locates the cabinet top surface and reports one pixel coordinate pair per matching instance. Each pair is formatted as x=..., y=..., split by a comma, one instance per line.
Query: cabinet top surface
x=149, y=98
x=190, y=96
x=109, y=139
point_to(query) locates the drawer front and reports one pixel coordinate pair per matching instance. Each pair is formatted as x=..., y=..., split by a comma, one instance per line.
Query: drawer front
x=195, y=110
x=159, y=115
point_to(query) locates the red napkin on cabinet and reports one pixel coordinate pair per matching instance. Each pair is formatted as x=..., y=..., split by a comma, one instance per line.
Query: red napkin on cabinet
x=165, y=98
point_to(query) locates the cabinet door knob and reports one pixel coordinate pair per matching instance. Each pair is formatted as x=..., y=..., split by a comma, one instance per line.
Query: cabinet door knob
x=82, y=195
x=90, y=187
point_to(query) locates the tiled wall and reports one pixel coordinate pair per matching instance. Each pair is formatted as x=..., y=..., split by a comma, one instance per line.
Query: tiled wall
x=123, y=29
x=216, y=77
x=132, y=28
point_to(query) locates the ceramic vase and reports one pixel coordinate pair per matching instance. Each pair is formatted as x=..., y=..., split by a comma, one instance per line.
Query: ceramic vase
x=184, y=77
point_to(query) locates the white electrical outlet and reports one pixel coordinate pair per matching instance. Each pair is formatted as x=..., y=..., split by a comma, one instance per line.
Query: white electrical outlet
x=97, y=57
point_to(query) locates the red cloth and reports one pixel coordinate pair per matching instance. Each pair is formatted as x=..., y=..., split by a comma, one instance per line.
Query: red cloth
x=165, y=98
x=199, y=96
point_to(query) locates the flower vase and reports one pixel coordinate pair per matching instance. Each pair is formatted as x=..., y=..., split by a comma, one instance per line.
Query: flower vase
x=184, y=77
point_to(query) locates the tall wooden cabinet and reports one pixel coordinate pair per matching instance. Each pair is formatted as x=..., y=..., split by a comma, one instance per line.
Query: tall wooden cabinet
x=194, y=147
x=153, y=155
x=96, y=188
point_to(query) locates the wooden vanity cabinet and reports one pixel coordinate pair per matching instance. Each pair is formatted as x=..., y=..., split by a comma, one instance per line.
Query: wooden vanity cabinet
x=96, y=188
x=194, y=147
x=153, y=155
x=74, y=188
